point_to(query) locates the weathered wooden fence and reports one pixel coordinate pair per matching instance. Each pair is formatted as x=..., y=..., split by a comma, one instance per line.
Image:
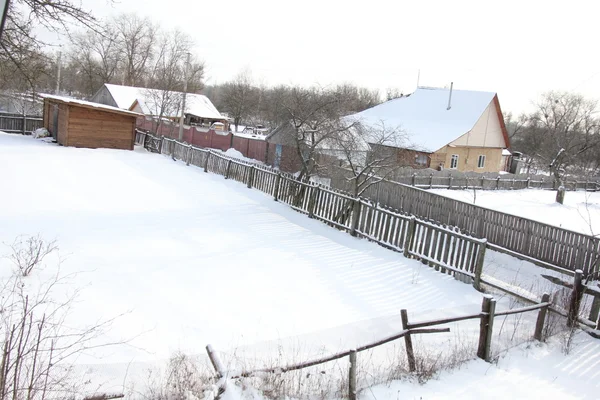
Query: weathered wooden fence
x=486, y=327
x=24, y=124
x=443, y=248
x=558, y=246
x=482, y=182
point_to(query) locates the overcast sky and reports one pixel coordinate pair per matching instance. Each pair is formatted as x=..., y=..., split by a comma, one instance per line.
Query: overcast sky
x=518, y=49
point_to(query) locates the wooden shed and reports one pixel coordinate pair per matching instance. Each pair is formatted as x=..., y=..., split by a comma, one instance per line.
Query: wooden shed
x=81, y=123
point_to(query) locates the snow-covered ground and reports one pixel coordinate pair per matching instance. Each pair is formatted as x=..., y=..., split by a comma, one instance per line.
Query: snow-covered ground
x=189, y=259
x=536, y=371
x=580, y=211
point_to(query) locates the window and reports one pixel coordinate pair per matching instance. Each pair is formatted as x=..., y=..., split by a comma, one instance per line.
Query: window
x=421, y=159
x=454, y=161
x=481, y=161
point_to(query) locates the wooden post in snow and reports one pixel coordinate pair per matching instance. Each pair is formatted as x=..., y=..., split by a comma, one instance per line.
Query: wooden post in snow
x=410, y=353
x=216, y=361
x=312, y=201
x=575, y=299
x=414, y=176
x=352, y=376
x=276, y=186
x=355, y=216
x=410, y=234
x=595, y=309
x=206, y=161
x=250, y=177
x=479, y=266
x=227, y=169
x=190, y=154
x=482, y=350
x=541, y=319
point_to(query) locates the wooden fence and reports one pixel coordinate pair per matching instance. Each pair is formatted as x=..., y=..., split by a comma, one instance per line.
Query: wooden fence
x=441, y=247
x=558, y=246
x=486, y=326
x=493, y=183
x=24, y=124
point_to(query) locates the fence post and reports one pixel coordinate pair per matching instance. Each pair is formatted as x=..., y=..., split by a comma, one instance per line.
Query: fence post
x=498, y=183
x=190, y=153
x=541, y=319
x=208, y=153
x=486, y=305
x=490, y=331
x=312, y=201
x=595, y=309
x=352, y=376
x=227, y=169
x=482, y=182
x=528, y=182
x=160, y=145
x=410, y=233
x=479, y=266
x=430, y=181
x=355, y=216
x=410, y=353
x=250, y=177
x=414, y=176
x=450, y=181
x=575, y=300
x=276, y=186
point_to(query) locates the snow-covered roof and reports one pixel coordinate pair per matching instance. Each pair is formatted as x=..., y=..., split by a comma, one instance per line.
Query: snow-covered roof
x=424, y=117
x=196, y=104
x=89, y=104
x=506, y=152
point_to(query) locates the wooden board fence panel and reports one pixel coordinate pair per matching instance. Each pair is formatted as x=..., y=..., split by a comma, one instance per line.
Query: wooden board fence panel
x=551, y=244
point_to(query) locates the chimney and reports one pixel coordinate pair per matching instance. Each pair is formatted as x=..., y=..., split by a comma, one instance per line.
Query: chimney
x=450, y=97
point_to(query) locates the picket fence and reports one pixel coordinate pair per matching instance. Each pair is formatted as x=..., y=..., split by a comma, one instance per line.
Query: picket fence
x=16, y=123
x=444, y=248
x=547, y=243
x=481, y=182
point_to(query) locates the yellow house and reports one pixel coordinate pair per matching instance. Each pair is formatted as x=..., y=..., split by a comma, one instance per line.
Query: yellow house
x=458, y=129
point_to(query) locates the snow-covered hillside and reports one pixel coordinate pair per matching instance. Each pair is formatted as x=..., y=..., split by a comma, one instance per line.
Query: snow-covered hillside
x=186, y=258
x=580, y=212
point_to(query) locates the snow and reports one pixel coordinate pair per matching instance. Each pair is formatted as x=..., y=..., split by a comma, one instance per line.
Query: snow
x=580, y=211
x=196, y=104
x=424, y=117
x=103, y=107
x=192, y=259
x=540, y=371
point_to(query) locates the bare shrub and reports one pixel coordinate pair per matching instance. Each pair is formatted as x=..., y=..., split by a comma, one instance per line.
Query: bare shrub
x=29, y=251
x=37, y=345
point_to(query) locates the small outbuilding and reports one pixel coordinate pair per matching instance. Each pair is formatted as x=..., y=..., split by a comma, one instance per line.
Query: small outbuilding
x=80, y=123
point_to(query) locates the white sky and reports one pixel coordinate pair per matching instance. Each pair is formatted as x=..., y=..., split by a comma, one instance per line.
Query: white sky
x=516, y=48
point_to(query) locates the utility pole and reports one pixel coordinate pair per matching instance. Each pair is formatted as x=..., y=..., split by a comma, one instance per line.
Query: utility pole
x=185, y=83
x=58, y=73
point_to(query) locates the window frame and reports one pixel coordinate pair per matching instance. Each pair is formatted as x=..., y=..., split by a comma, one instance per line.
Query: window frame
x=454, y=161
x=481, y=161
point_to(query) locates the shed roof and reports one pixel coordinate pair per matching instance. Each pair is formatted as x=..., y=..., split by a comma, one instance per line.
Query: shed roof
x=425, y=118
x=196, y=104
x=89, y=104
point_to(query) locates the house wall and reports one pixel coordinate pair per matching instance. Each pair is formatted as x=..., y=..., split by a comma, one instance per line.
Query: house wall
x=103, y=96
x=468, y=158
x=94, y=129
x=487, y=131
x=62, y=136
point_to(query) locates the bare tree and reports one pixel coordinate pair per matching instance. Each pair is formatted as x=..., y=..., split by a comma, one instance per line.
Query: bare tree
x=136, y=37
x=239, y=98
x=370, y=152
x=316, y=118
x=19, y=43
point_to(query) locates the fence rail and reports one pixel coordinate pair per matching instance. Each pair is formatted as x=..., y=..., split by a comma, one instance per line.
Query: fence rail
x=493, y=183
x=24, y=124
x=443, y=248
x=486, y=317
x=547, y=243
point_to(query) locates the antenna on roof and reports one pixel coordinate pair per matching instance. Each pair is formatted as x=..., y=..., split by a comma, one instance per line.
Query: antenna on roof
x=450, y=96
x=418, y=77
